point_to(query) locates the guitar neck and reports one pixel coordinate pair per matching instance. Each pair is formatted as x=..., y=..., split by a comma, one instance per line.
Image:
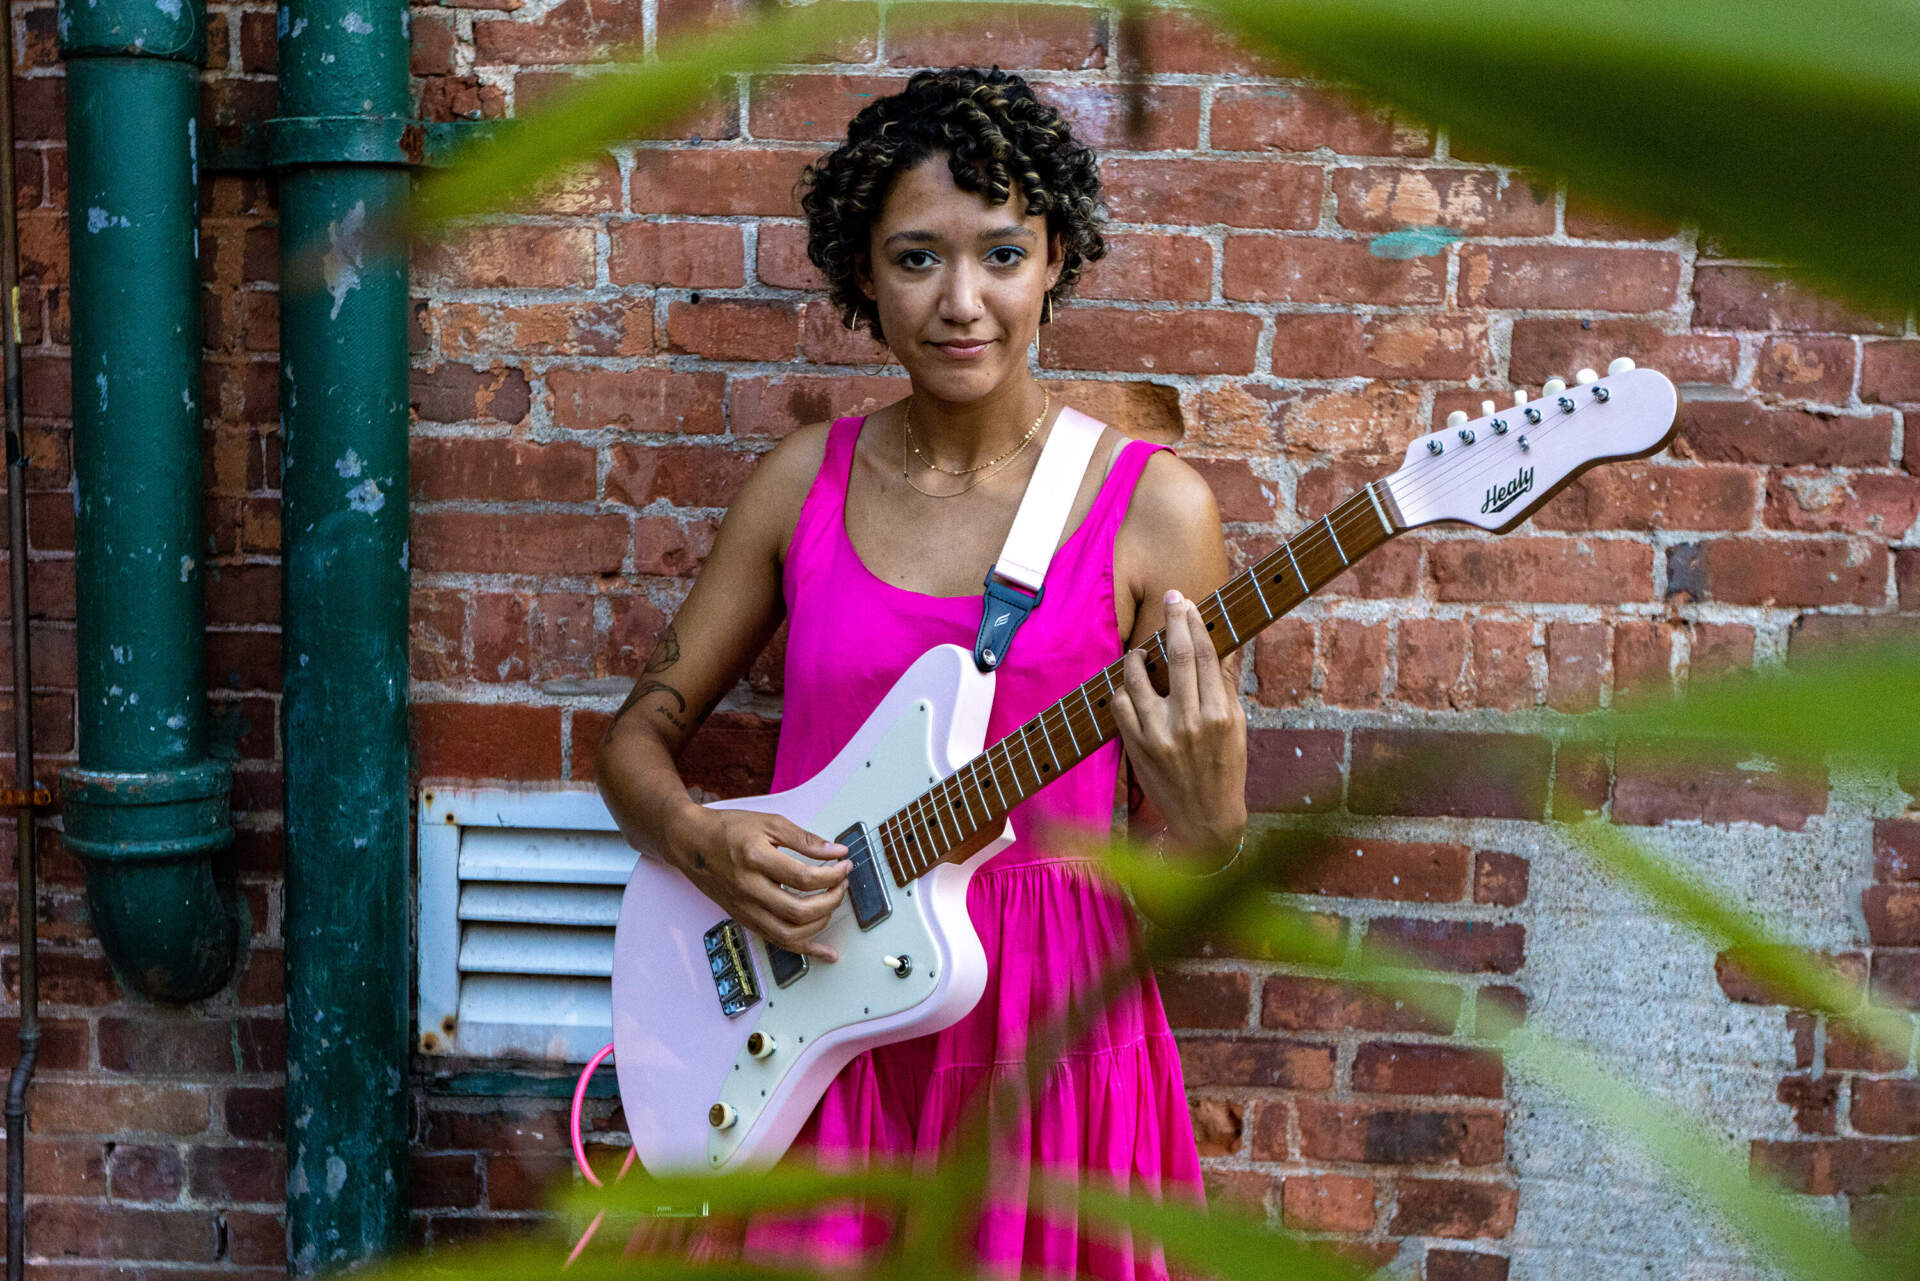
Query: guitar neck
x=978, y=796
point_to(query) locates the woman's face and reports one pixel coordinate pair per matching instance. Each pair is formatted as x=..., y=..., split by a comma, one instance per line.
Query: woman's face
x=947, y=267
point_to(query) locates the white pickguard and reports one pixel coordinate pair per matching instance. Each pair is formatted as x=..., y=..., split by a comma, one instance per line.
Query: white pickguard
x=677, y=1053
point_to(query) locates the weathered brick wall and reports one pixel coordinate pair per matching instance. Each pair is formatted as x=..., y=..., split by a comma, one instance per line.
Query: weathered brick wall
x=1296, y=289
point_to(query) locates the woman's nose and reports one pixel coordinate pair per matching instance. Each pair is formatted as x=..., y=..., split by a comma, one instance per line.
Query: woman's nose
x=960, y=298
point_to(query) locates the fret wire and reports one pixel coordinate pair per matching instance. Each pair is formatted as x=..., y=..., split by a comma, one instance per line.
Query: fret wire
x=1379, y=510
x=1226, y=616
x=1304, y=589
x=995, y=776
x=959, y=785
x=1037, y=775
x=1092, y=714
x=937, y=817
x=1067, y=720
x=1327, y=520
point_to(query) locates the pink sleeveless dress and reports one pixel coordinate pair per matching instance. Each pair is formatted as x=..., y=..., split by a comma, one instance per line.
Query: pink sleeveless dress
x=1115, y=1106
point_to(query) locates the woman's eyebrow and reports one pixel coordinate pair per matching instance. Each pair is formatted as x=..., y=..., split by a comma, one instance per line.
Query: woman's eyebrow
x=995, y=233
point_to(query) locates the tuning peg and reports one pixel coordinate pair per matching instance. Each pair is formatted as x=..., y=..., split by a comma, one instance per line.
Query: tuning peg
x=1620, y=365
x=1586, y=376
x=1456, y=418
x=1519, y=397
x=1553, y=387
x=1487, y=407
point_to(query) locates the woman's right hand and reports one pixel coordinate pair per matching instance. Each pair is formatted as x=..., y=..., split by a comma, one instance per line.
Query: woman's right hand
x=739, y=859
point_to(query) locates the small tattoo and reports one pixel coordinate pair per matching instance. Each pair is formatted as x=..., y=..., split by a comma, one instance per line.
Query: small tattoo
x=647, y=687
x=699, y=861
x=666, y=652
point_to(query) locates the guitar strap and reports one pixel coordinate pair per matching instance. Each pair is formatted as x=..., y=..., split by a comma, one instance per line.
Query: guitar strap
x=1034, y=536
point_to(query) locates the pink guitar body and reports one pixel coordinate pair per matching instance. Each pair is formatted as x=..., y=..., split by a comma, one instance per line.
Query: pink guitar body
x=678, y=1054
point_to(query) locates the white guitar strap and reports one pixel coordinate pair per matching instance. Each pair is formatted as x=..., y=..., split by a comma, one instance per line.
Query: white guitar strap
x=1034, y=536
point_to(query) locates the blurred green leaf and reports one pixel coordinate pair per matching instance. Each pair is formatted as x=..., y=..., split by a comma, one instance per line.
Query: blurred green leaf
x=1219, y=1243
x=1785, y=127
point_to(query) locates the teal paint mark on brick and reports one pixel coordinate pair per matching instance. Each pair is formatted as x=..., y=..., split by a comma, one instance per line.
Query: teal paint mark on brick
x=1412, y=242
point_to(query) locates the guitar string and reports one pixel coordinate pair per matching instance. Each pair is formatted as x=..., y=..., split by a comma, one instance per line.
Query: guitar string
x=1419, y=486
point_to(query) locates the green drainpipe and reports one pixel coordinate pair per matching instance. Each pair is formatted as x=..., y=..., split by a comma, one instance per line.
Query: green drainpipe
x=337, y=146
x=145, y=808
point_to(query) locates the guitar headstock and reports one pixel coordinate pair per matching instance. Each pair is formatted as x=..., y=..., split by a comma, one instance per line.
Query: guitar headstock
x=1496, y=470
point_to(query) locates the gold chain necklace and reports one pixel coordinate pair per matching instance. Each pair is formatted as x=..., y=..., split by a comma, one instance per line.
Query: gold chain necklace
x=906, y=423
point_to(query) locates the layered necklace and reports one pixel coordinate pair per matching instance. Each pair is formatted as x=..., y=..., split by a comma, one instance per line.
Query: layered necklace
x=989, y=467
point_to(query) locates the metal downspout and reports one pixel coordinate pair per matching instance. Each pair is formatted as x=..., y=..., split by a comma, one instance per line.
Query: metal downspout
x=146, y=807
x=337, y=146
x=27, y=793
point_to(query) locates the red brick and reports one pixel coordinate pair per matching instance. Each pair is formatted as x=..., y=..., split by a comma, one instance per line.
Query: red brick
x=1383, y=1068
x=1059, y=37
x=1244, y=1192
x=649, y=400
x=1500, y=878
x=1648, y=496
x=1890, y=372
x=1370, y=420
x=1847, y=1052
x=1467, y=947
x=1256, y=1060
x=1342, y=1131
x=1321, y=1005
x=1734, y=970
x=1896, y=978
x=1799, y=368
x=1474, y=202
x=687, y=21
x=1716, y=648
x=570, y=32
x=444, y=1180
x=1168, y=342
x=1460, y=1265
x=1707, y=784
x=561, y=635
x=436, y=633
x=665, y=545
x=1906, y=572
x=1502, y=666
x=1896, y=849
x=1585, y=571
x=814, y=106
x=90, y=1230
x=781, y=259
x=66, y=978
x=774, y=406
x=1293, y=771
x=492, y=740
x=684, y=475
x=1432, y=664
x=512, y=257
x=1886, y=1107
x=63, y=1042
x=746, y=329
x=826, y=340
x=731, y=755
x=525, y=1180
x=1595, y=219
x=1455, y=1208
x=1217, y=999
x=1283, y=663
x=1826, y=1167
x=142, y=1172
x=462, y=393
x=1737, y=297
x=1201, y=192
x=709, y=182
x=1354, y=655
x=1576, y=663
x=228, y=1174
x=1434, y=772
x=1327, y=1203
x=1319, y=269
x=168, y=1047
x=1393, y=871
x=1547, y=347
x=1217, y=1125
x=1329, y=345
x=1098, y=116
x=256, y=1112
x=501, y=649
x=1778, y=572
x=94, y=1107
x=444, y=468
x=520, y=542
x=602, y=327
x=1568, y=276
x=1814, y=1100
x=1823, y=502
x=1642, y=657
x=1893, y=914
x=1739, y=431
x=1301, y=117
x=1582, y=780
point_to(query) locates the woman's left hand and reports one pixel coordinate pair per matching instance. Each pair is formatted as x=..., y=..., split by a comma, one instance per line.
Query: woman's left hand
x=1189, y=749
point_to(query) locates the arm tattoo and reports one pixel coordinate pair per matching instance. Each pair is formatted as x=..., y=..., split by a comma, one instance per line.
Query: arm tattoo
x=666, y=652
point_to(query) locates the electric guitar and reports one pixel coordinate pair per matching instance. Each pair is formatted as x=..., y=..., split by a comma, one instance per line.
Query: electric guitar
x=724, y=1043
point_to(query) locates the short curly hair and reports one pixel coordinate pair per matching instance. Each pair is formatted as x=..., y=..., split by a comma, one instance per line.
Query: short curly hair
x=994, y=130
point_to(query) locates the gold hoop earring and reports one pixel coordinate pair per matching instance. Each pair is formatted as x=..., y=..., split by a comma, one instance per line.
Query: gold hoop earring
x=1047, y=318
x=851, y=317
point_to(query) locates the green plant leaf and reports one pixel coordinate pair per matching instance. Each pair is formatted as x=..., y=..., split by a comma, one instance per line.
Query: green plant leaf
x=1785, y=127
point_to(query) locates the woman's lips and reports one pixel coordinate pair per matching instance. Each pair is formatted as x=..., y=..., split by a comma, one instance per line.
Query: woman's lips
x=963, y=353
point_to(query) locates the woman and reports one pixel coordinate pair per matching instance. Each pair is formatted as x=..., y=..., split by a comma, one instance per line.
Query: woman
x=949, y=222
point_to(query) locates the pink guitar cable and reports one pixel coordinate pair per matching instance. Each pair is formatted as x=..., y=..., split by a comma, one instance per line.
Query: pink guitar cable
x=580, y=1149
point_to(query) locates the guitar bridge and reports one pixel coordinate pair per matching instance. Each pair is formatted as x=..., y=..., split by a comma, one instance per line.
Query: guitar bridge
x=732, y=965
x=866, y=887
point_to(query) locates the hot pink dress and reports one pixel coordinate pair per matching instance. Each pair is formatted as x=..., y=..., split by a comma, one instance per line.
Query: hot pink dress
x=1115, y=1107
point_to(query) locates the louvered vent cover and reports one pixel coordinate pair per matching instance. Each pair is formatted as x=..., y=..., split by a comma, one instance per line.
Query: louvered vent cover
x=519, y=892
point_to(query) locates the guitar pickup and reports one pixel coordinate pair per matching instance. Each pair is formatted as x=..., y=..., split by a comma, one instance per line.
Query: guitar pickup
x=732, y=965
x=787, y=966
x=866, y=887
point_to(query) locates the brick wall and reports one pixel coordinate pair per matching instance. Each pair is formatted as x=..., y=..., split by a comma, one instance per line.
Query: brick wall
x=594, y=375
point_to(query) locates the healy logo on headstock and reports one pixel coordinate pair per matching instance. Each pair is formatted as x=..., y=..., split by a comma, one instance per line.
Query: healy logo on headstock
x=1501, y=497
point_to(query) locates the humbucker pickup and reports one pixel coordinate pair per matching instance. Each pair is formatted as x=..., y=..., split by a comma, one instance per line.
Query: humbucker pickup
x=866, y=887
x=732, y=965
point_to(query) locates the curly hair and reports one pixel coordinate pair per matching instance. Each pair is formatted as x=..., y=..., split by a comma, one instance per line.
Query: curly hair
x=994, y=131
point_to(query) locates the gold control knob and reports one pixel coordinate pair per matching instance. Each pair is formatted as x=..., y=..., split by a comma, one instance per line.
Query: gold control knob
x=760, y=1045
x=721, y=1116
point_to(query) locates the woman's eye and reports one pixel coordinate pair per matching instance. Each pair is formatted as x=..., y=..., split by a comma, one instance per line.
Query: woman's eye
x=1017, y=254
x=911, y=253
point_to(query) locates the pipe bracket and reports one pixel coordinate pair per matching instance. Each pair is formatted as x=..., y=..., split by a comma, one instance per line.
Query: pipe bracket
x=151, y=815
x=294, y=141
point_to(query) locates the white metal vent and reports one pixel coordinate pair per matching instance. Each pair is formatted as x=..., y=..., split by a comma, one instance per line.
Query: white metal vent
x=519, y=892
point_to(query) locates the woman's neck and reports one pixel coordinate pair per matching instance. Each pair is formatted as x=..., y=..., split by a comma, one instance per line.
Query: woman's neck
x=967, y=435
